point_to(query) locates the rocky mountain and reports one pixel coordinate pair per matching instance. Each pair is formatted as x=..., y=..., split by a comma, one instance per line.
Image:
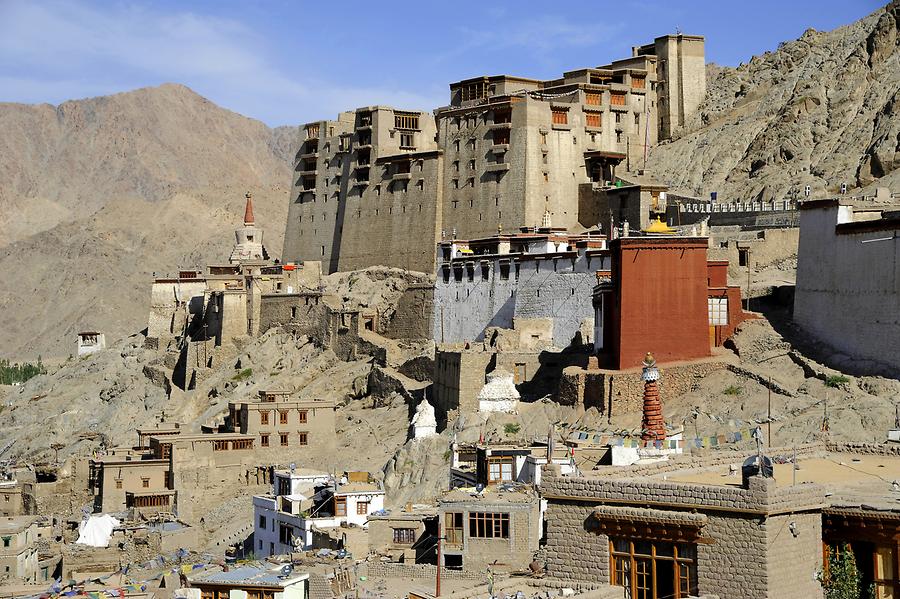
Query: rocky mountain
x=819, y=111
x=98, y=194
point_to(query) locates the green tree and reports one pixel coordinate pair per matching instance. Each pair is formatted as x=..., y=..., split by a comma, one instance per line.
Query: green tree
x=841, y=579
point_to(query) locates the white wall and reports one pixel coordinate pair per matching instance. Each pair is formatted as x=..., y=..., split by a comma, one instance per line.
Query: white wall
x=848, y=287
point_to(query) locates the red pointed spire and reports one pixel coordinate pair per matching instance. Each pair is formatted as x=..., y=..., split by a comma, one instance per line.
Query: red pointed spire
x=248, y=210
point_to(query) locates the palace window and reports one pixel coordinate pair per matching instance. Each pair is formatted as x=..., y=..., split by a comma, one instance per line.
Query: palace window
x=592, y=98
x=304, y=416
x=302, y=438
x=407, y=141
x=264, y=417
x=592, y=119
x=282, y=416
x=560, y=116
x=145, y=483
x=488, y=525
x=617, y=99
x=242, y=444
x=654, y=569
x=404, y=120
x=220, y=445
x=264, y=440
x=284, y=439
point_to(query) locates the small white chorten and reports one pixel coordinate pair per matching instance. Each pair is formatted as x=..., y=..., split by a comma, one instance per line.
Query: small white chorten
x=499, y=394
x=423, y=421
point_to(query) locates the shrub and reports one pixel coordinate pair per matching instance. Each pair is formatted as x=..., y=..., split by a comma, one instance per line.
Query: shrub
x=841, y=580
x=836, y=380
x=732, y=390
x=511, y=429
x=243, y=375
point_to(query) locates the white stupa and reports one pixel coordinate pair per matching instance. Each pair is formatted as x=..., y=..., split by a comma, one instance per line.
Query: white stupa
x=423, y=421
x=499, y=394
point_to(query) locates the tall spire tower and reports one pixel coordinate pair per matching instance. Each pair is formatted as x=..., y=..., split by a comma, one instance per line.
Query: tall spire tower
x=248, y=240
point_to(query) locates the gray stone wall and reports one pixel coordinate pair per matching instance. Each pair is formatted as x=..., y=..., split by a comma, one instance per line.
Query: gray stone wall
x=414, y=316
x=558, y=288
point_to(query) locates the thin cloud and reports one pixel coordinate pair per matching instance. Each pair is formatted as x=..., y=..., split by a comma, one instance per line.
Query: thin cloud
x=43, y=44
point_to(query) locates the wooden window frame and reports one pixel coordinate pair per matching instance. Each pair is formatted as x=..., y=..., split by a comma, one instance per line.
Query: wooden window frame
x=282, y=416
x=264, y=440
x=302, y=438
x=559, y=116
x=362, y=508
x=593, y=119
x=283, y=439
x=264, y=417
x=404, y=536
x=340, y=506
x=303, y=415
x=488, y=525
x=640, y=568
x=500, y=462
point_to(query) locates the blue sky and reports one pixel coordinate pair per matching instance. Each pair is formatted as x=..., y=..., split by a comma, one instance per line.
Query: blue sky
x=291, y=62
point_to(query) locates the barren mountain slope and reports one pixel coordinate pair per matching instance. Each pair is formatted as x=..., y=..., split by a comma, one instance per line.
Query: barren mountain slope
x=98, y=194
x=819, y=111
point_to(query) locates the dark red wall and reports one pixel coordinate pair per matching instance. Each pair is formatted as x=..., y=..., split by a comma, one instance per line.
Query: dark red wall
x=660, y=300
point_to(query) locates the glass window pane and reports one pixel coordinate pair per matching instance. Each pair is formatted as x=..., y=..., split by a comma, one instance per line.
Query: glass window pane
x=884, y=563
x=621, y=545
x=665, y=549
x=643, y=547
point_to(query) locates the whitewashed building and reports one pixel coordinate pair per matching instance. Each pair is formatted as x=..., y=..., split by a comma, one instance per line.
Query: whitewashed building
x=303, y=502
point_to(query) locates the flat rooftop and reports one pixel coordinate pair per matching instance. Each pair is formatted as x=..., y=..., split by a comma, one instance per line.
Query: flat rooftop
x=15, y=524
x=257, y=576
x=502, y=493
x=850, y=480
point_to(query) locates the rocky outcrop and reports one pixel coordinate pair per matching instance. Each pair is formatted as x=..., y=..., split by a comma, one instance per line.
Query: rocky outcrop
x=820, y=110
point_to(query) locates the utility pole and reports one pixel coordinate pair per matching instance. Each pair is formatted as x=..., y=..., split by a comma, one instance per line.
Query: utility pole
x=748, y=279
x=437, y=581
x=769, y=419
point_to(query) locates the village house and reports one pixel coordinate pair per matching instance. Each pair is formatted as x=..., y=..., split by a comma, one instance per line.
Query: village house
x=715, y=525
x=12, y=499
x=497, y=463
x=18, y=548
x=278, y=421
x=408, y=537
x=498, y=527
x=90, y=342
x=126, y=478
x=304, y=505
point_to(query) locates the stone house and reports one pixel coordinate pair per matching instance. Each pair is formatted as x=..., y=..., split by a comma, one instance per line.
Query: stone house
x=125, y=479
x=695, y=526
x=278, y=421
x=408, y=537
x=12, y=500
x=499, y=527
x=18, y=549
